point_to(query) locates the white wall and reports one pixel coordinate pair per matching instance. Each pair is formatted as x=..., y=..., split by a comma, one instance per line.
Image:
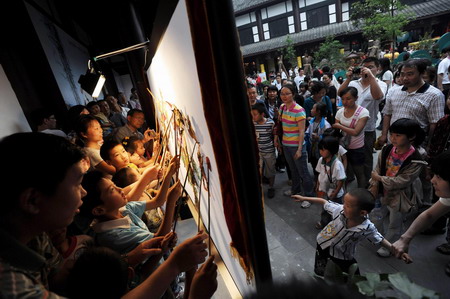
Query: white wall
x=12, y=119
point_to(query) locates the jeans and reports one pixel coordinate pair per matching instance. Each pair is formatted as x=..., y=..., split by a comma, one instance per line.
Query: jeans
x=301, y=178
x=392, y=223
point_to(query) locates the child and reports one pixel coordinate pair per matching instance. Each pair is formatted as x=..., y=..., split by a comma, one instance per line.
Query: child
x=331, y=175
x=396, y=176
x=90, y=137
x=264, y=128
x=342, y=152
x=107, y=125
x=441, y=183
x=117, y=222
x=350, y=224
x=317, y=125
x=135, y=147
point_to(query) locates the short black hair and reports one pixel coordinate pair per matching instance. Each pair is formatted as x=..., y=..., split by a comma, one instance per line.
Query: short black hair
x=329, y=143
x=371, y=59
x=134, y=111
x=333, y=132
x=100, y=270
x=440, y=165
x=106, y=148
x=52, y=157
x=129, y=143
x=40, y=114
x=272, y=88
x=317, y=86
x=366, y=201
x=92, y=199
x=352, y=90
x=419, y=64
x=249, y=85
x=410, y=128
x=322, y=108
x=260, y=107
x=123, y=177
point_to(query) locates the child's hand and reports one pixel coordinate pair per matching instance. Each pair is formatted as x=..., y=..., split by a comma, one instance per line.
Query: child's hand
x=406, y=258
x=175, y=191
x=204, y=283
x=168, y=241
x=299, y=198
x=375, y=176
x=174, y=164
x=144, y=250
x=190, y=253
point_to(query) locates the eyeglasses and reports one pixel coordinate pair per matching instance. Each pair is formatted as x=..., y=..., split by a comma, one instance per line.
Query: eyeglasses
x=285, y=94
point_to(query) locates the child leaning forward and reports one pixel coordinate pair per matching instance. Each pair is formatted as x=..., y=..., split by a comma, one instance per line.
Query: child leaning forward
x=349, y=225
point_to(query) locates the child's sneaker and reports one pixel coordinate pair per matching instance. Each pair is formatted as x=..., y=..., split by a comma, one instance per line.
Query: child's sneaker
x=287, y=193
x=383, y=252
x=305, y=204
x=271, y=192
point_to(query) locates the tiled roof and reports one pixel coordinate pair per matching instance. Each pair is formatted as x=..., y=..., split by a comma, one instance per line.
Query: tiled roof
x=243, y=5
x=421, y=10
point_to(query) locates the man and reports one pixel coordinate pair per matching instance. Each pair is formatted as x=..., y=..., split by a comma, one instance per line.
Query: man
x=46, y=197
x=370, y=92
x=415, y=100
x=299, y=78
x=134, y=100
x=277, y=82
x=45, y=122
x=135, y=120
x=443, y=70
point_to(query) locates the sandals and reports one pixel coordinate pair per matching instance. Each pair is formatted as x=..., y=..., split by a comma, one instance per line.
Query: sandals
x=444, y=249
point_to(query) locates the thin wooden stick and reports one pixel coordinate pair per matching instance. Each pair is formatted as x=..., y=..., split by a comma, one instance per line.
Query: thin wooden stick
x=200, y=200
x=163, y=138
x=208, y=163
x=184, y=187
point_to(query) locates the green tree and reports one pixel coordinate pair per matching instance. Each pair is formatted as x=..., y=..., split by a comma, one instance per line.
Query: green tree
x=329, y=53
x=289, y=51
x=426, y=41
x=380, y=19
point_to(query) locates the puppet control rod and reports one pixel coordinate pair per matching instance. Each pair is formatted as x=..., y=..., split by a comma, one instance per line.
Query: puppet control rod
x=124, y=50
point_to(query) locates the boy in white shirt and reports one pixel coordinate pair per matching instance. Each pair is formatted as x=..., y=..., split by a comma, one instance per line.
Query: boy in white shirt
x=350, y=224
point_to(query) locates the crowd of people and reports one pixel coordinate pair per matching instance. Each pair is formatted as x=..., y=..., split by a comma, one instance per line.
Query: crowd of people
x=331, y=124
x=92, y=215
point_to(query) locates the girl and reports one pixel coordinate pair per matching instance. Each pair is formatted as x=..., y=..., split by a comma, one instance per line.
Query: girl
x=135, y=147
x=293, y=117
x=396, y=176
x=317, y=125
x=331, y=175
x=90, y=137
x=352, y=120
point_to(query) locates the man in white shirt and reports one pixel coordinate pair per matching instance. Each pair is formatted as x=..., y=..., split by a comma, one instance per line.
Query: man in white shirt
x=370, y=92
x=443, y=76
x=299, y=78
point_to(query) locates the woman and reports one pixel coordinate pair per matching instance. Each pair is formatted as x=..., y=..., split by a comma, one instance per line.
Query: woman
x=318, y=94
x=352, y=120
x=90, y=137
x=293, y=119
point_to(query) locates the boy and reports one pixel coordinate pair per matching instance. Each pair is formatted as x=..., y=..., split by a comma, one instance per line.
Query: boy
x=267, y=159
x=441, y=184
x=47, y=197
x=331, y=176
x=350, y=224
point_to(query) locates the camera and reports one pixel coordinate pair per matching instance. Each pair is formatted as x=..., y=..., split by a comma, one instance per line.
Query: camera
x=356, y=70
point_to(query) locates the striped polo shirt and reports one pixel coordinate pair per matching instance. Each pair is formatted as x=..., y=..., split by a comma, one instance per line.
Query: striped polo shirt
x=290, y=118
x=264, y=133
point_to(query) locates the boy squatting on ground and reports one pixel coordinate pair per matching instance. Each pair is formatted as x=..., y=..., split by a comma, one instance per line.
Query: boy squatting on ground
x=47, y=197
x=350, y=224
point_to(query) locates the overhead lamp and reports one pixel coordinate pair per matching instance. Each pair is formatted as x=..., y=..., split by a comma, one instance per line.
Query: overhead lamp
x=92, y=82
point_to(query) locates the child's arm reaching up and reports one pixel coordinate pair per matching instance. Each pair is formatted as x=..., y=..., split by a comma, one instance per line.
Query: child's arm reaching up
x=405, y=257
x=300, y=198
x=138, y=189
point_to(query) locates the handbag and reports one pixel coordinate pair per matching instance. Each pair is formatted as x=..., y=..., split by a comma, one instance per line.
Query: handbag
x=278, y=128
x=345, y=141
